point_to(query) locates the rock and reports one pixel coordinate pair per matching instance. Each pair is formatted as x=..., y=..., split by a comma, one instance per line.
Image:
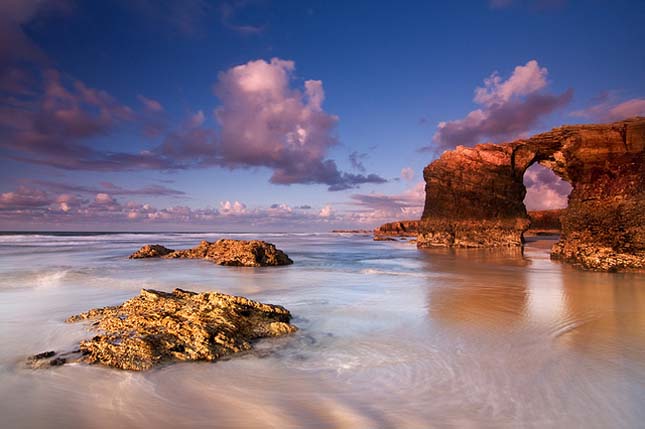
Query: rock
x=544, y=222
x=403, y=228
x=474, y=196
x=158, y=327
x=51, y=358
x=253, y=253
x=546, y=219
x=352, y=231
x=151, y=251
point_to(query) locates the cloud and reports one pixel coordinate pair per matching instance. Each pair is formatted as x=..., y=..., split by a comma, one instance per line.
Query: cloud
x=228, y=208
x=265, y=122
x=150, y=104
x=188, y=18
x=24, y=198
x=31, y=207
x=544, y=190
x=356, y=160
x=326, y=212
x=16, y=48
x=108, y=187
x=407, y=173
x=53, y=127
x=607, y=108
x=104, y=199
x=377, y=208
x=509, y=108
x=228, y=14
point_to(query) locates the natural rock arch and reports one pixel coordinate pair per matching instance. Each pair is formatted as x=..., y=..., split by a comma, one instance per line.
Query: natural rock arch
x=474, y=196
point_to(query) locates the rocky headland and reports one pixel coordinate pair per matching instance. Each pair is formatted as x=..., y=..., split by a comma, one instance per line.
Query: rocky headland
x=159, y=327
x=474, y=196
x=242, y=253
x=402, y=228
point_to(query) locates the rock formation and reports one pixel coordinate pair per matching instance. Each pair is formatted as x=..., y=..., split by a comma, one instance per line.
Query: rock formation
x=544, y=222
x=403, y=228
x=253, y=253
x=474, y=196
x=151, y=251
x=158, y=327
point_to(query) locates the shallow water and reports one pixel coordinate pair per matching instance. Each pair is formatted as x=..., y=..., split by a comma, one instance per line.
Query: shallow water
x=390, y=337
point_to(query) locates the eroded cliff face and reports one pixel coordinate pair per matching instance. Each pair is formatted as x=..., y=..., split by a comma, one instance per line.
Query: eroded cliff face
x=474, y=196
x=402, y=228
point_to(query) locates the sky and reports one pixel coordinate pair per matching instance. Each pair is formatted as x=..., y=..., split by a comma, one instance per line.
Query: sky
x=259, y=115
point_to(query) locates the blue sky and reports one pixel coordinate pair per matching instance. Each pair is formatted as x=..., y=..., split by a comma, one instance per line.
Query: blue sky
x=109, y=120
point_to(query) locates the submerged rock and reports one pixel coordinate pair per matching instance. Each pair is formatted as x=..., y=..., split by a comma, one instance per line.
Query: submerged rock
x=151, y=251
x=157, y=327
x=52, y=358
x=243, y=253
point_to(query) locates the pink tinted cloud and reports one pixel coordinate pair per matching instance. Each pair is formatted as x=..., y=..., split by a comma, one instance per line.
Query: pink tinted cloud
x=407, y=173
x=607, y=108
x=376, y=208
x=544, y=190
x=509, y=108
x=150, y=104
x=24, y=198
x=32, y=207
x=265, y=122
x=54, y=126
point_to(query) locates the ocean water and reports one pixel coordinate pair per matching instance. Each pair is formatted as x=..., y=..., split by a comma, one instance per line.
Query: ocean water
x=390, y=337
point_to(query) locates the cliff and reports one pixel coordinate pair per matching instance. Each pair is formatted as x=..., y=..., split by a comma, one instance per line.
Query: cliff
x=403, y=228
x=474, y=196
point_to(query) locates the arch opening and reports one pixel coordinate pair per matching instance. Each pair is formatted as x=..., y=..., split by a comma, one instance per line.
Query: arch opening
x=544, y=189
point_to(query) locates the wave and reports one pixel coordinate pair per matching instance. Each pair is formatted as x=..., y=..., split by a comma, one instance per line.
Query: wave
x=81, y=238
x=374, y=271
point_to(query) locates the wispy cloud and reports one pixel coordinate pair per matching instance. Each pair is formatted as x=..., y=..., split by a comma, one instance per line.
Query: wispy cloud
x=356, y=160
x=229, y=12
x=607, y=107
x=263, y=121
x=108, y=187
x=378, y=208
x=509, y=108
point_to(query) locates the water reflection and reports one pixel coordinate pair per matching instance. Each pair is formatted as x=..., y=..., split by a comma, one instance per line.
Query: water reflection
x=389, y=337
x=502, y=290
x=604, y=313
x=483, y=289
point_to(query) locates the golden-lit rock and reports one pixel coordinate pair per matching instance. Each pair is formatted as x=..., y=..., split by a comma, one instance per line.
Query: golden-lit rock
x=151, y=251
x=159, y=327
x=474, y=195
x=402, y=228
x=251, y=253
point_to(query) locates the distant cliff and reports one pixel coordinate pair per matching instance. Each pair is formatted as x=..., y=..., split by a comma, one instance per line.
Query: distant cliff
x=403, y=228
x=541, y=222
x=544, y=222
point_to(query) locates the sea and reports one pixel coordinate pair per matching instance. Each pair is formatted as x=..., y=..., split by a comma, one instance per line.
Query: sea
x=390, y=336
